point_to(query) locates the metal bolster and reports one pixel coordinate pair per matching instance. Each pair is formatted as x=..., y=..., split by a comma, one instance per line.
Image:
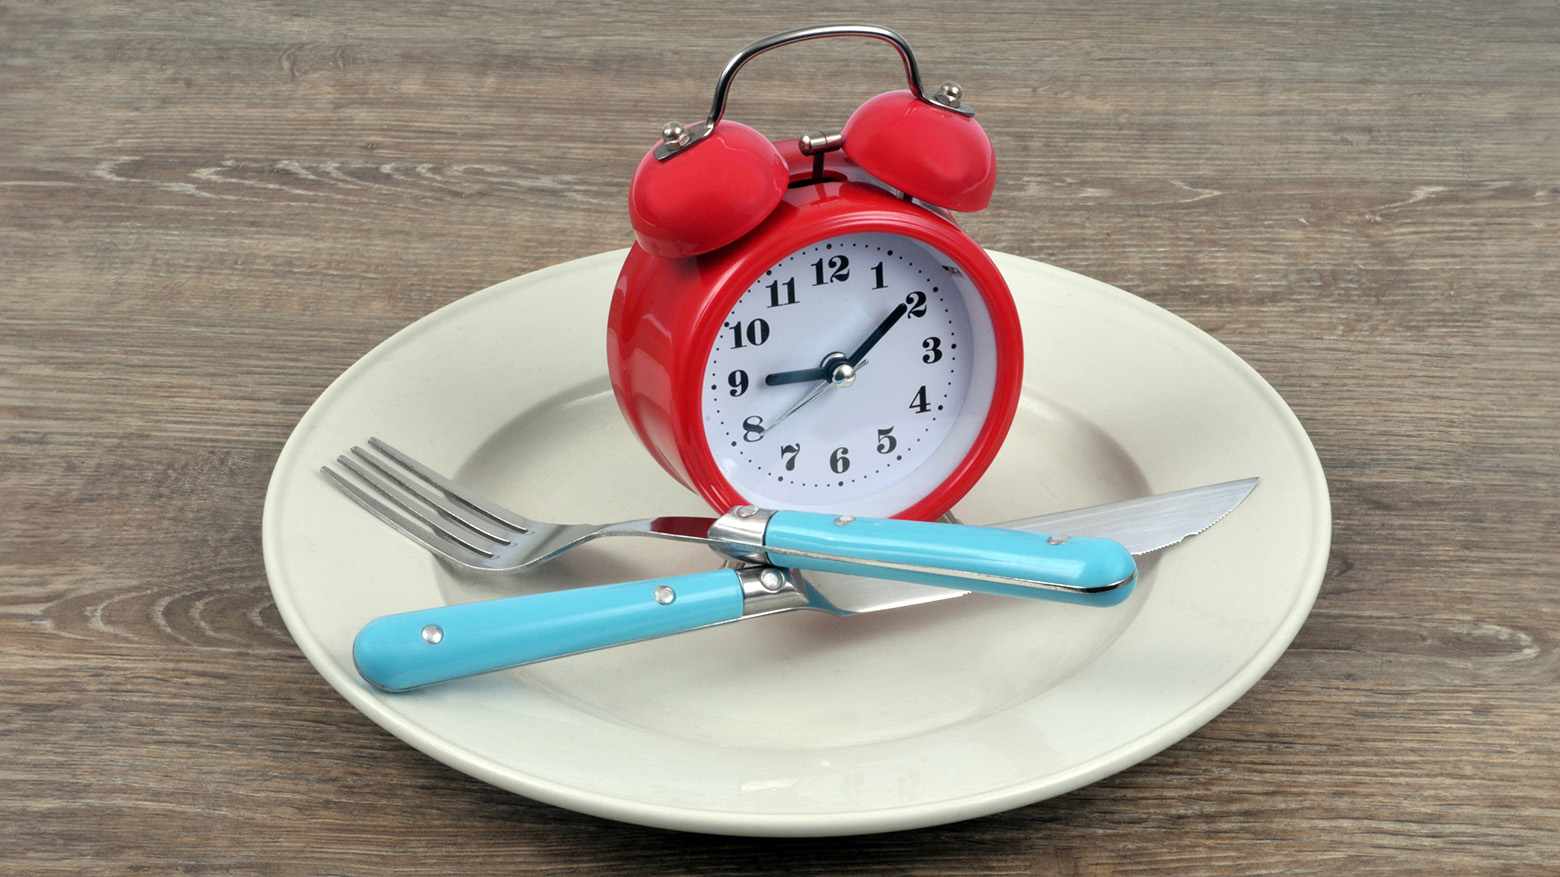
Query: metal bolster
x=767, y=589
x=739, y=534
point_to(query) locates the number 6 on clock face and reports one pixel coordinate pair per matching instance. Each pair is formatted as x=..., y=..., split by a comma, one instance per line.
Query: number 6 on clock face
x=853, y=375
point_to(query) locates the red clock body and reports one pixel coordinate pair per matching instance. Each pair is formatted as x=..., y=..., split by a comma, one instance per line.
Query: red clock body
x=854, y=352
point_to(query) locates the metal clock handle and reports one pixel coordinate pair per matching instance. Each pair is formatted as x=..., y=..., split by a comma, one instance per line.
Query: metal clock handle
x=676, y=138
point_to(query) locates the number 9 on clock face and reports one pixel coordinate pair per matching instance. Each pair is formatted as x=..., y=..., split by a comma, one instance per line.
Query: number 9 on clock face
x=855, y=375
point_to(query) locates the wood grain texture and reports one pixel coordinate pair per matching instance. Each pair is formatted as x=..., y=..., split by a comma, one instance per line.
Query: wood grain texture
x=209, y=210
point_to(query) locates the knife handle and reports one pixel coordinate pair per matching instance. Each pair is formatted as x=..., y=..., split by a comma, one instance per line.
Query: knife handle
x=413, y=649
x=1015, y=563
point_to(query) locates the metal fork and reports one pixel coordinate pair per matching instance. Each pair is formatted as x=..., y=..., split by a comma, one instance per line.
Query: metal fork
x=475, y=532
x=455, y=523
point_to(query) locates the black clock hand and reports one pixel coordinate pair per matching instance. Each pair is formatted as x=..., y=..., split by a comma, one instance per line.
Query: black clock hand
x=800, y=376
x=877, y=334
x=824, y=372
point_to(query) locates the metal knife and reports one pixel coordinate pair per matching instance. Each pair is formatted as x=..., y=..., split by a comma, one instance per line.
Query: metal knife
x=413, y=649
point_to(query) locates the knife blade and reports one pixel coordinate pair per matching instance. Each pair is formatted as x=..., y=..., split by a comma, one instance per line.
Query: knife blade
x=413, y=649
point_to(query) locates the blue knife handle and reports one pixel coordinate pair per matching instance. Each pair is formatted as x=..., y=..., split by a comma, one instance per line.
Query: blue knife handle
x=1094, y=572
x=412, y=649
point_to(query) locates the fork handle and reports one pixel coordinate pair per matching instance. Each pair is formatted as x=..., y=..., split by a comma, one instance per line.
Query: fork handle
x=413, y=649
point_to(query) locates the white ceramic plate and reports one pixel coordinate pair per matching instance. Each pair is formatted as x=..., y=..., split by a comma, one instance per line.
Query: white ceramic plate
x=802, y=723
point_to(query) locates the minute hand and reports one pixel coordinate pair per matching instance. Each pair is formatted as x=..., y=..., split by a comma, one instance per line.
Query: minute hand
x=823, y=372
x=893, y=317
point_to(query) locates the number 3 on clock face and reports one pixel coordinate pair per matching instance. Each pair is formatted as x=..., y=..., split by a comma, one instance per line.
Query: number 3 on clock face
x=854, y=375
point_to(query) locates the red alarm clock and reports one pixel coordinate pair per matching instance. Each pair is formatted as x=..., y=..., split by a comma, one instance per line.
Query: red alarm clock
x=800, y=324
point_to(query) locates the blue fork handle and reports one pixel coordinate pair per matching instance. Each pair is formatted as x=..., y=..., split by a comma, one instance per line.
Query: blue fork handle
x=413, y=649
x=1078, y=569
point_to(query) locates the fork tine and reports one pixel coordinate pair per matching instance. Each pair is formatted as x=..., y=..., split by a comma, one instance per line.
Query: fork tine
x=388, y=479
x=455, y=491
x=414, y=528
x=439, y=517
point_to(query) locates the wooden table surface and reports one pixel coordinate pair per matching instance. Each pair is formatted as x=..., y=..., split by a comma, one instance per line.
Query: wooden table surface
x=209, y=210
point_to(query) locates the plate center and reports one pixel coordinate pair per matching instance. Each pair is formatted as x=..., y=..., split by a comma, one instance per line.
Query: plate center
x=800, y=679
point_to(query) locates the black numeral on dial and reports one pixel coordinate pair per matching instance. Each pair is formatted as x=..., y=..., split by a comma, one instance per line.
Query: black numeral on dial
x=788, y=454
x=782, y=294
x=933, y=348
x=838, y=269
x=754, y=332
x=753, y=429
x=839, y=461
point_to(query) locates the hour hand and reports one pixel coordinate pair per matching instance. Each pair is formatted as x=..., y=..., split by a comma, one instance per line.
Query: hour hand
x=800, y=376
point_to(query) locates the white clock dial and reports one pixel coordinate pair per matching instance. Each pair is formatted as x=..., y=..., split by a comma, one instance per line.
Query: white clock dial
x=853, y=376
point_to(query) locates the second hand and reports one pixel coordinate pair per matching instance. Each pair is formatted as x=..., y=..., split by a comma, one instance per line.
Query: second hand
x=839, y=373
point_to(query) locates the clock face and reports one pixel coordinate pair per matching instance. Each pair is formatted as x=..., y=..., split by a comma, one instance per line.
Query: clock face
x=852, y=377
